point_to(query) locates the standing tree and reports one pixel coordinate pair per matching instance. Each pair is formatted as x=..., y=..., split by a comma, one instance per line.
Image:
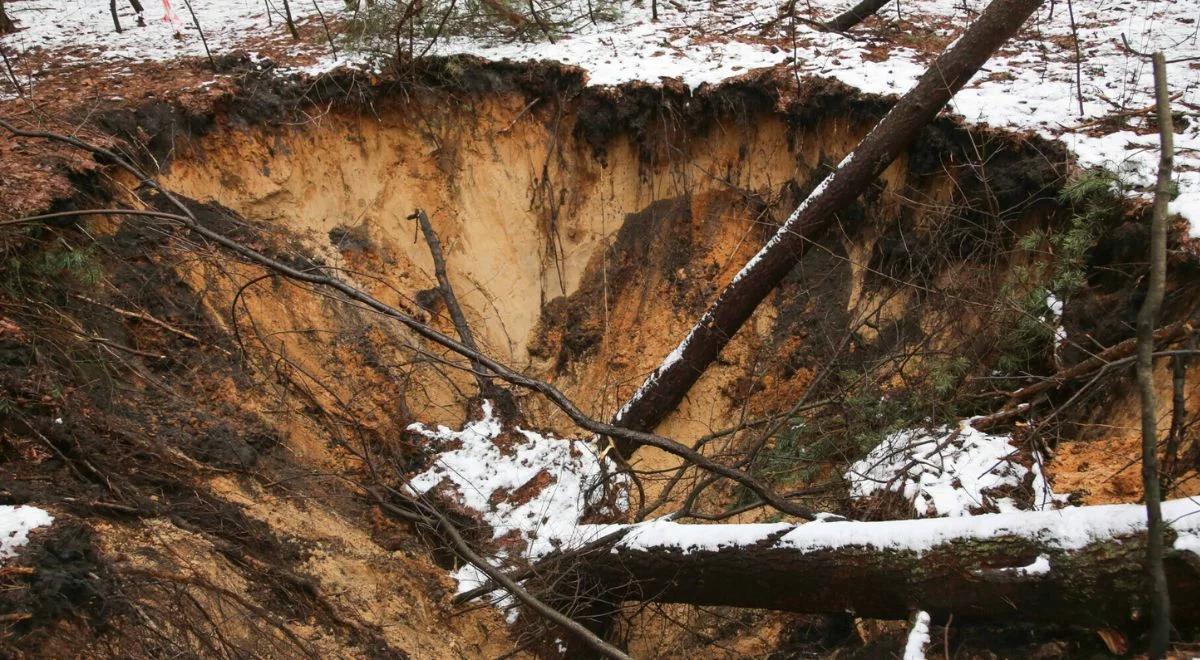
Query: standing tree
x=287, y=17
x=669, y=383
x=6, y=24
x=1160, y=602
x=137, y=8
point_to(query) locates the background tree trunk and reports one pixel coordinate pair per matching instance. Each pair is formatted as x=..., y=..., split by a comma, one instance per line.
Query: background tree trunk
x=287, y=17
x=6, y=24
x=1160, y=601
x=670, y=382
x=487, y=388
x=112, y=9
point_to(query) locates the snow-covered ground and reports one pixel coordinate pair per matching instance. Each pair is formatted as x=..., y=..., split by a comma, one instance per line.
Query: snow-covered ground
x=532, y=489
x=15, y=524
x=1031, y=85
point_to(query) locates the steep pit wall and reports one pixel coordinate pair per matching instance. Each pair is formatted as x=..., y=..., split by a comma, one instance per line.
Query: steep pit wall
x=584, y=235
x=585, y=230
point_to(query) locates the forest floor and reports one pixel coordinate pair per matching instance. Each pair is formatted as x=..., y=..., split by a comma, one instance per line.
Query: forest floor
x=1067, y=75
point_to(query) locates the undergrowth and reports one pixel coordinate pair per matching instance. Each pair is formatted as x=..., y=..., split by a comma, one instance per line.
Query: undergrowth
x=1055, y=271
x=392, y=29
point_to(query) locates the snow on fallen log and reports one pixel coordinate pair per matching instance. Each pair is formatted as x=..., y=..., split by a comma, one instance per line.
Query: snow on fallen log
x=1076, y=565
x=1065, y=529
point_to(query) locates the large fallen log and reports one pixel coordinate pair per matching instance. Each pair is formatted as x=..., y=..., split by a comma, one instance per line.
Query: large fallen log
x=1078, y=566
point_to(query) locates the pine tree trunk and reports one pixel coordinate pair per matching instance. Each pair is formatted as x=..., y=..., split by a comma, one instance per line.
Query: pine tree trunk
x=6, y=24
x=670, y=382
x=1025, y=567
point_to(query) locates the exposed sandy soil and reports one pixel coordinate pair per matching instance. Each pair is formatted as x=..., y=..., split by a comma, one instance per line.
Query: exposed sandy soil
x=582, y=251
x=1102, y=463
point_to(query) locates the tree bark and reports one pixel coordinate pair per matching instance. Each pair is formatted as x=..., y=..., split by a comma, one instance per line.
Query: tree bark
x=112, y=9
x=487, y=388
x=1026, y=566
x=1160, y=601
x=669, y=383
x=854, y=15
x=1179, y=365
x=6, y=24
x=287, y=17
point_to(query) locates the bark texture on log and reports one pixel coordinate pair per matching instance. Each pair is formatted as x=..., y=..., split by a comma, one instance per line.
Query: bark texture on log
x=666, y=387
x=1011, y=575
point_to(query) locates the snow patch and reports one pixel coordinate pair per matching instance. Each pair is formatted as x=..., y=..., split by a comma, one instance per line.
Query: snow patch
x=1040, y=566
x=918, y=637
x=532, y=493
x=15, y=524
x=1055, y=307
x=944, y=472
x=1188, y=543
x=1188, y=535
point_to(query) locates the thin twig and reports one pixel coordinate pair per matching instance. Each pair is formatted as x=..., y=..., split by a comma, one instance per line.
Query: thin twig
x=203, y=40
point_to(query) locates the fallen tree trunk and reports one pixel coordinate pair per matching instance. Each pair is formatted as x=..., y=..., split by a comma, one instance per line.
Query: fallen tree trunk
x=854, y=15
x=1079, y=566
x=669, y=383
x=1163, y=335
x=487, y=389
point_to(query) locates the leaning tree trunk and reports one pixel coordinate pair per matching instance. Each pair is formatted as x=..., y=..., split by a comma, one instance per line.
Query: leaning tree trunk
x=1077, y=566
x=287, y=17
x=669, y=383
x=854, y=15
